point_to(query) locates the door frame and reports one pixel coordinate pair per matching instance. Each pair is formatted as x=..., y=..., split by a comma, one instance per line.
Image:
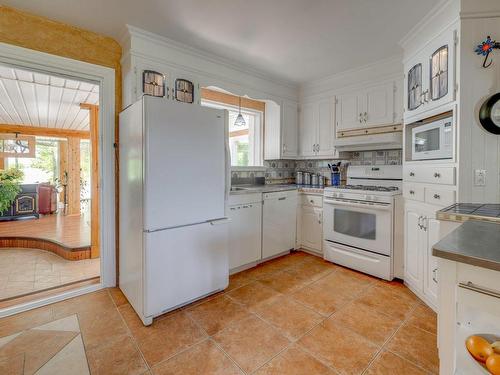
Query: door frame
x=52, y=64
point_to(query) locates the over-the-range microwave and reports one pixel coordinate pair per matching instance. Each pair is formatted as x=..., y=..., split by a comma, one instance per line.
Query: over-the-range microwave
x=433, y=140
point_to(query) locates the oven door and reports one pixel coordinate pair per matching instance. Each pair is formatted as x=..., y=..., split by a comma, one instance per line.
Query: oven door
x=359, y=224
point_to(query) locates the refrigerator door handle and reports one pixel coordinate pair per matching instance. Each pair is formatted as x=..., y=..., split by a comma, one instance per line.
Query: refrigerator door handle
x=222, y=221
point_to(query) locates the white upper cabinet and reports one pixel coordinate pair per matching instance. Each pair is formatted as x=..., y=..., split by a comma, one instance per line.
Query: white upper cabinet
x=281, y=131
x=326, y=128
x=430, y=74
x=289, y=127
x=369, y=107
x=317, y=129
x=380, y=105
x=307, y=130
x=349, y=111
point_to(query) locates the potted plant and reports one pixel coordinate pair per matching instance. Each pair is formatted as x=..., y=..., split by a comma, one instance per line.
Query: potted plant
x=9, y=187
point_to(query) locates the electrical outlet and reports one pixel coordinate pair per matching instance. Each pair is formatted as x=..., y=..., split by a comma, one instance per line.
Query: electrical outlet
x=479, y=177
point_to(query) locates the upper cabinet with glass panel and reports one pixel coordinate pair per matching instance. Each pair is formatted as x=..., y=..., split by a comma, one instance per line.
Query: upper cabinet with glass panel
x=430, y=77
x=439, y=73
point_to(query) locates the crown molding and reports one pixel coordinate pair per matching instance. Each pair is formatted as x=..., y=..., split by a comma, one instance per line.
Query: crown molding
x=134, y=31
x=426, y=21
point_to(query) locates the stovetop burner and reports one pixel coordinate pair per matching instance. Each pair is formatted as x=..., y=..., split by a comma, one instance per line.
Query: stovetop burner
x=368, y=187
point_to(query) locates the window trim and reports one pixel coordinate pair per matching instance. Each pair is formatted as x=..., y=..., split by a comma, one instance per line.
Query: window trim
x=258, y=132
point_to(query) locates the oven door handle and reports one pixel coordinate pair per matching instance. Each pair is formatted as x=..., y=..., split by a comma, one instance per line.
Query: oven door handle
x=377, y=206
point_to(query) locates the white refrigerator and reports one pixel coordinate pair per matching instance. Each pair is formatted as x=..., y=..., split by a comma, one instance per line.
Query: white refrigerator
x=174, y=184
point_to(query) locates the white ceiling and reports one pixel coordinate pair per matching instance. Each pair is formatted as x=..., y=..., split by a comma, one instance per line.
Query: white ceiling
x=296, y=40
x=35, y=99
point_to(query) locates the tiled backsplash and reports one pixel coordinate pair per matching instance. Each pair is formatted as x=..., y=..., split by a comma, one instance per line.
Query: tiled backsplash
x=283, y=171
x=384, y=157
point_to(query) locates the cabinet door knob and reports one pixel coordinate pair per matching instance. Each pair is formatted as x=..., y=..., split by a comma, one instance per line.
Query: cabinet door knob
x=366, y=116
x=437, y=175
x=412, y=174
x=434, y=275
x=311, y=201
x=412, y=192
x=437, y=196
x=360, y=117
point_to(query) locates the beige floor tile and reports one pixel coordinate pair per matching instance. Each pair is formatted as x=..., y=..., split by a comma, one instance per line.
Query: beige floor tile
x=294, y=361
x=12, y=366
x=170, y=336
x=291, y=318
x=69, y=324
x=251, y=342
x=416, y=345
x=99, y=327
x=285, y=281
x=342, y=349
x=96, y=302
x=397, y=287
x=345, y=283
x=238, y=280
x=385, y=301
x=216, y=314
x=70, y=360
x=37, y=346
x=25, y=320
x=116, y=357
x=253, y=295
x=322, y=299
x=204, y=358
x=424, y=318
x=388, y=363
x=313, y=269
x=366, y=322
x=117, y=296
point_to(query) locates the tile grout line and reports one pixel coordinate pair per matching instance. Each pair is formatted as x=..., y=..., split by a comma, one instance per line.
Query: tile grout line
x=131, y=335
x=386, y=342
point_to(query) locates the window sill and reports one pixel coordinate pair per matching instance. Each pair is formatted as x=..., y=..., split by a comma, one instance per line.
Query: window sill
x=246, y=169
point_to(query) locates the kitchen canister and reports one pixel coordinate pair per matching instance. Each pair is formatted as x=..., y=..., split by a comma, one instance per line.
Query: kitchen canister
x=321, y=180
x=307, y=178
x=299, y=178
x=314, y=180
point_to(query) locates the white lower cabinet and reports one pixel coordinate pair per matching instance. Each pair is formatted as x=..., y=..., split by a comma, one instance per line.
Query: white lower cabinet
x=312, y=228
x=422, y=231
x=310, y=223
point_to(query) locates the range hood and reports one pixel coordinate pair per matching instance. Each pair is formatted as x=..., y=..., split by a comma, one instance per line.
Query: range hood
x=384, y=141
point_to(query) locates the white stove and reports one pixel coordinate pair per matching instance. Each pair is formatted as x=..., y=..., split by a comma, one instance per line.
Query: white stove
x=359, y=219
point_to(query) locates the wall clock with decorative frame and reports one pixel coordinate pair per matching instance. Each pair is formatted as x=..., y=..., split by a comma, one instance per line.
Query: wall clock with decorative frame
x=489, y=114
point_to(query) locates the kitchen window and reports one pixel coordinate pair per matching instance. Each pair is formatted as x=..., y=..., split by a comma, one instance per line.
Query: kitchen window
x=245, y=142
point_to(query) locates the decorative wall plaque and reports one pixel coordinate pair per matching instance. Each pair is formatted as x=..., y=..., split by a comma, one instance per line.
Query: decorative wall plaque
x=153, y=83
x=184, y=91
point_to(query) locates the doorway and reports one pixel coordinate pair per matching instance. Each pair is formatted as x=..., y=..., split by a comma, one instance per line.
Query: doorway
x=52, y=243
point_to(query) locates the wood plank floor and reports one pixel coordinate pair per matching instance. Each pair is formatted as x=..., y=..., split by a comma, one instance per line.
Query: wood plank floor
x=70, y=231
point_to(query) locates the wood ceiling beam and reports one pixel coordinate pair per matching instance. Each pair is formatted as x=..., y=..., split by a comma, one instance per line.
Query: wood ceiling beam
x=47, y=132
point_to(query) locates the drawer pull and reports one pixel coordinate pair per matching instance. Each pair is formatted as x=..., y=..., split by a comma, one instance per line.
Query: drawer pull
x=476, y=288
x=437, y=175
x=311, y=201
x=437, y=196
x=412, y=192
x=282, y=198
x=412, y=174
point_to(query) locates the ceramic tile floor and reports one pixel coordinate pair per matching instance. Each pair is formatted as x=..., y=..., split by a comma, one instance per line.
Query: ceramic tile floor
x=296, y=315
x=25, y=271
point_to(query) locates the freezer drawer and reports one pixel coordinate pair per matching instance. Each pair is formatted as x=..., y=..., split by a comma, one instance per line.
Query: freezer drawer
x=279, y=222
x=184, y=264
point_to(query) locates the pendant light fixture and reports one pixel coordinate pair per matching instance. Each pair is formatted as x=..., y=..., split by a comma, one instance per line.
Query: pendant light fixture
x=240, y=121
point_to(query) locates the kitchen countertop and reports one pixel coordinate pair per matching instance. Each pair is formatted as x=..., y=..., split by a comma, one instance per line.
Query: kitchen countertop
x=474, y=242
x=461, y=212
x=269, y=188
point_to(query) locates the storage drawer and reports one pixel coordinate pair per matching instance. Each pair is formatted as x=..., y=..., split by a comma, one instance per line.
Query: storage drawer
x=410, y=191
x=440, y=197
x=429, y=174
x=244, y=198
x=312, y=200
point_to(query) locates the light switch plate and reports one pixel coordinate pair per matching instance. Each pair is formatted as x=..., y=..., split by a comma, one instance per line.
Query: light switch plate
x=479, y=177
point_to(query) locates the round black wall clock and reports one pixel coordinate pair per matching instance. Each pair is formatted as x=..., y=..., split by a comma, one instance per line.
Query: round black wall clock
x=489, y=114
